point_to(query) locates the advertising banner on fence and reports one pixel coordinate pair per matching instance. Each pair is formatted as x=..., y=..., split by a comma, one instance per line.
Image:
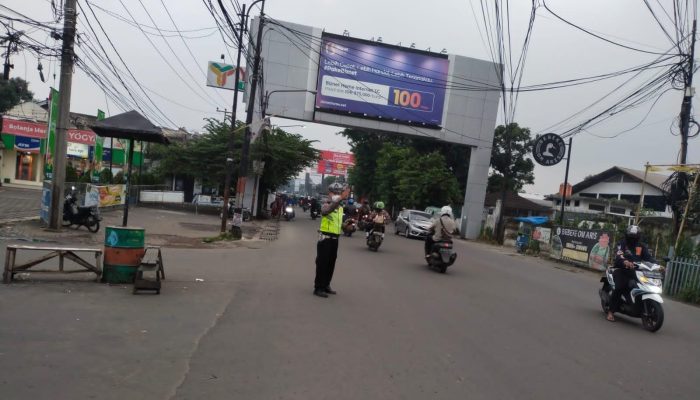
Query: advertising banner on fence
x=541, y=234
x=583, y=246
x=374, y=80
x=111, y=195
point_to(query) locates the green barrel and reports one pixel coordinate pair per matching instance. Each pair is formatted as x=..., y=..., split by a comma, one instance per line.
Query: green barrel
x=124, y=247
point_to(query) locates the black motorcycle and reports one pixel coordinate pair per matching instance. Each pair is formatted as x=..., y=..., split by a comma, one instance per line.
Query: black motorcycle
x=375, y=236
x=441, y=256
x=73, y=214
x=315, y=213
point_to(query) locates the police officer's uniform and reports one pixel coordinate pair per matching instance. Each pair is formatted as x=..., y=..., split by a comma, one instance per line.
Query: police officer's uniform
x=327, y=248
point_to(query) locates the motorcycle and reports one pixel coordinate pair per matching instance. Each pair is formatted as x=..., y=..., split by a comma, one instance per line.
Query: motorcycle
x=73, y=214
x=442, y=255
x=644, y=300
x=245, y=213
x=349, y=226
x=375, y=237
x=315, y=213
x=288, y=213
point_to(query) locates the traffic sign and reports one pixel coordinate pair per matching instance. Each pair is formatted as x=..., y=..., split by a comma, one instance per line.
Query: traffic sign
x=549, y=149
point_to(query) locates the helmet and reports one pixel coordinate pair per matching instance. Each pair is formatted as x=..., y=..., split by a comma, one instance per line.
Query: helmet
x=633, y=232
x=446, y=210
x=351, y=201
x=379, y=205
x=336, y=188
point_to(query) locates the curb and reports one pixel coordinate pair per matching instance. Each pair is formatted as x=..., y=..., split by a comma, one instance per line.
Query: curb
x=15, y=220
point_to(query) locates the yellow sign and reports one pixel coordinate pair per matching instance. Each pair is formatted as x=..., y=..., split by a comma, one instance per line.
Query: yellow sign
x=111, y=195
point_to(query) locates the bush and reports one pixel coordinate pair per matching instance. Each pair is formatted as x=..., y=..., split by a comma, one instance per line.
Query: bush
x=105, y=175
x=487, y=234
x=690, y=292
x=118, y=178
x=534, y=247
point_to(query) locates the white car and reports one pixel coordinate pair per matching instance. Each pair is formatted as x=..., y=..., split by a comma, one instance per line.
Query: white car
x=413, y=223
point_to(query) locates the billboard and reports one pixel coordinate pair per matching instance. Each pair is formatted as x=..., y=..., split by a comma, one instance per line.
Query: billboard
x=338, y=157
x=223, y=76
x=373, y=80
x=583, y=246
x=331, y=168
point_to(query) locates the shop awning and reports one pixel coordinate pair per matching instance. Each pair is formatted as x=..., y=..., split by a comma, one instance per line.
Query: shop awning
x=533, y=220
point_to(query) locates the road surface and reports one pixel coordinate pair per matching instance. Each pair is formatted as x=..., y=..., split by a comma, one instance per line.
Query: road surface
x=496, y=326
x=242, y=324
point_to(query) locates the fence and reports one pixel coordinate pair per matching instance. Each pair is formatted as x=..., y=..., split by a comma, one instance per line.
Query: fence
x=681, y=273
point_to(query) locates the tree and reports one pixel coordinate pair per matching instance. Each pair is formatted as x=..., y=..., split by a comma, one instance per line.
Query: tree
x=511, y=146
x=13, y=92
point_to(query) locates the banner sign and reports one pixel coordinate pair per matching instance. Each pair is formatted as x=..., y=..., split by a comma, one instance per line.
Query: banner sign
x=45, y=202
x=541, y=234
x=373, y=80
x=223, y=76
x=51, y=142
x=337, y=157
x=111, y=195
x=27, y=144
x=98, y=152
x=23, y=128
x=583, y=246
x=331, y=168
x=81, y=136
x=78, y=150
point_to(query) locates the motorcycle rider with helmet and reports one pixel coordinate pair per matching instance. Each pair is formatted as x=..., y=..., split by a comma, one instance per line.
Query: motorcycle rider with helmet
x=628, y=251
x=442, y=229
x=327, y=245
x=378, y=218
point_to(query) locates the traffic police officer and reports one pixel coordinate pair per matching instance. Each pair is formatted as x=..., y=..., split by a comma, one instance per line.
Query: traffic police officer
x=327, y=246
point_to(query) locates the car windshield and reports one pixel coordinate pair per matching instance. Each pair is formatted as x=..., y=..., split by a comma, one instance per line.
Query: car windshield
x=420, y=216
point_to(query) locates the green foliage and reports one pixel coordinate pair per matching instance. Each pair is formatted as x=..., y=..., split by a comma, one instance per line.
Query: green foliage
x=285, y=155
x=105, y=175
x=487, y=234
x=690, y=292
x=533, y=247
x=511, y=147
x=119, y=178
x=389, y=167
x=71, y=174
x=13, y=92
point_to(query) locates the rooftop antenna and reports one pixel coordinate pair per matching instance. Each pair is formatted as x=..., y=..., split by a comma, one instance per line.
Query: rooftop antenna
x=346, y=32
x=379, y=39
x=413, y=45
x=443, y=51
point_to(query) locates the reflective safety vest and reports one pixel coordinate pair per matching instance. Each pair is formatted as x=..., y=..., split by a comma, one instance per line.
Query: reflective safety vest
x=333, y=222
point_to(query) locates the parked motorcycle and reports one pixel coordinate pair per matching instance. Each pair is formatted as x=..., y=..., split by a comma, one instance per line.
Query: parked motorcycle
x=73, y=214
x=441, y=256
x=644, y=300
x=375, y=237
x=245, y=213
x=349, y=227
x=288, y=213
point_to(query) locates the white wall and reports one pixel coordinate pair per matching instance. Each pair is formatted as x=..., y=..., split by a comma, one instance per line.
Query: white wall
x=631, y=188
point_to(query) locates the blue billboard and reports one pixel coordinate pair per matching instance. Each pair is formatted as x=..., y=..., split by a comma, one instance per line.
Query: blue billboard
x=368, y=79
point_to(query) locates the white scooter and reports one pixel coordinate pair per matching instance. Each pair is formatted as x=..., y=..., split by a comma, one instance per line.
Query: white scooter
x=644, y=301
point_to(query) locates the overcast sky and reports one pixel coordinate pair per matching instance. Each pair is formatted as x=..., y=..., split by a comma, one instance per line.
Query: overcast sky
x=557, y=52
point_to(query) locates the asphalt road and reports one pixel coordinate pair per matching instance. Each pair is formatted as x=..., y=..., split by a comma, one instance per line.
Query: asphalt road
x=242, y=324
x=496, y=326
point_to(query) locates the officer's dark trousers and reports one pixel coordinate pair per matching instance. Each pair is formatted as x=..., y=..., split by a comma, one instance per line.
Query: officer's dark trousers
x=326, y=254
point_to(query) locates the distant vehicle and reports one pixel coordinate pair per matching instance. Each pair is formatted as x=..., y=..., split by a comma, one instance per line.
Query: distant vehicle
x=413, y=223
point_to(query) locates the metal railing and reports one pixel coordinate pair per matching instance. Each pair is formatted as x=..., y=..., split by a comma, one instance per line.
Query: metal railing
x=681, y=273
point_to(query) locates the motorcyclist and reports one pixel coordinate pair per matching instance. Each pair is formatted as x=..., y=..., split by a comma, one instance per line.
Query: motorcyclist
x=378, y=218
x=442, y=229
x=628, y=251
x=314, y=205
x=350, y=209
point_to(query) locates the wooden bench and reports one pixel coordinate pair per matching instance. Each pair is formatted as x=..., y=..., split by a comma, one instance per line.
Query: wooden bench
x=151, y=263
x=11, y=268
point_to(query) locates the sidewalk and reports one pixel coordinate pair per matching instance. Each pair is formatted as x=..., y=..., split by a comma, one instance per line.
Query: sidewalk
x=163, y=228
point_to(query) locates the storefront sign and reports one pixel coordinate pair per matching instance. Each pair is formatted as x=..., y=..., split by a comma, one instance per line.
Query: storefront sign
x=23, y=128
x=27, y=144
x=81, y=136
x=111, y=195
x=584, y=246
x=78, y=150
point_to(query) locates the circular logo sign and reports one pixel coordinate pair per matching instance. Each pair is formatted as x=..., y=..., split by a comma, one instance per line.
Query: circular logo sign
x=549, y=149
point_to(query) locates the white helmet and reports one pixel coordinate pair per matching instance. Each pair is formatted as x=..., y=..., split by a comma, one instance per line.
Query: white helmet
x=446, y=210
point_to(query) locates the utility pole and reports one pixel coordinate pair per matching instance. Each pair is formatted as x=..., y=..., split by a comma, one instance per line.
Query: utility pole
x=229, y=157
x=12, y=38
x=243, y=166
x=686, y=106
x=59, y=169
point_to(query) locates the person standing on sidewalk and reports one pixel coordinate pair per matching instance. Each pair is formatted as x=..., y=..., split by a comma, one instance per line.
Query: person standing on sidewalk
x=327, y=245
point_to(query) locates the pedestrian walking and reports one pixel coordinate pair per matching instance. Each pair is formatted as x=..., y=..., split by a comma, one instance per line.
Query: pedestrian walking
x=328, y=234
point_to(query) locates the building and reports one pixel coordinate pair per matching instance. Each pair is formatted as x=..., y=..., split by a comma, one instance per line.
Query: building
x=616, y=191
x=24, y=132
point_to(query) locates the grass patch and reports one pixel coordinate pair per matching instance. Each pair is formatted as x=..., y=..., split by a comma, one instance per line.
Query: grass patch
x=228, y=236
